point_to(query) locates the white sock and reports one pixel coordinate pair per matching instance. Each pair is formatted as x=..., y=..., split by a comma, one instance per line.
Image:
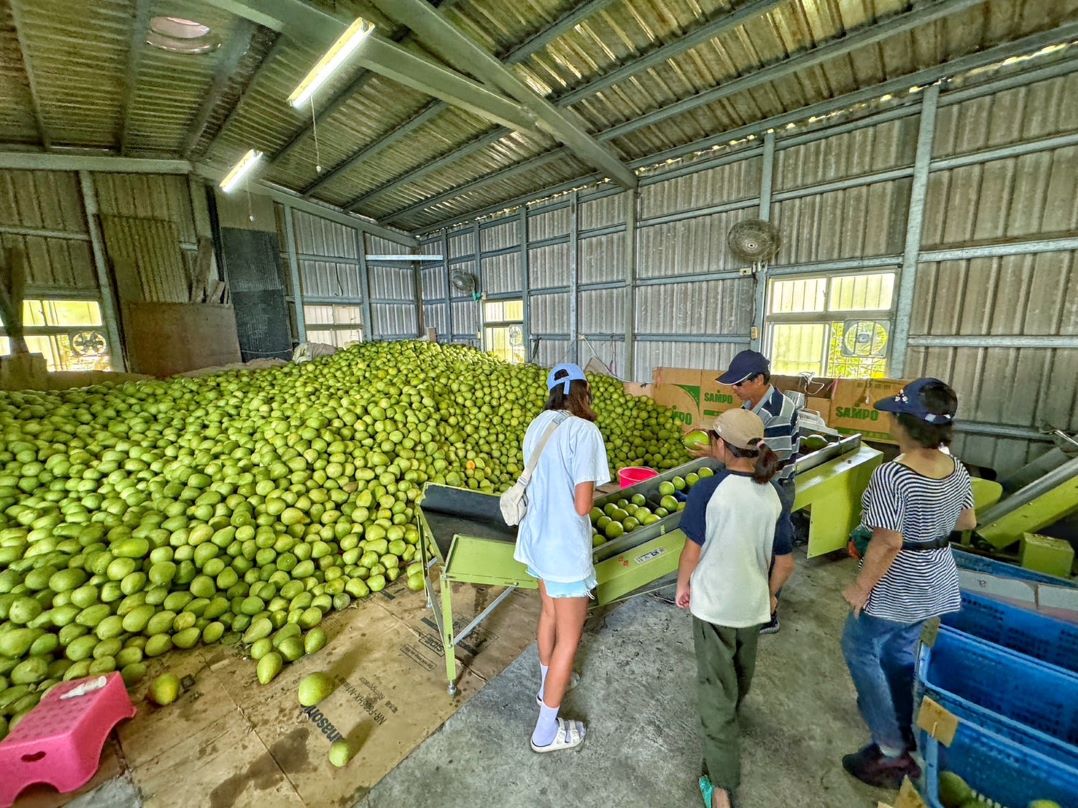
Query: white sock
x=891, y=753
x=546, y=728
x=542, y=679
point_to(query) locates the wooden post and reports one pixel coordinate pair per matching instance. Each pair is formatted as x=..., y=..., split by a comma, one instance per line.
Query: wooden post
x=12, y=291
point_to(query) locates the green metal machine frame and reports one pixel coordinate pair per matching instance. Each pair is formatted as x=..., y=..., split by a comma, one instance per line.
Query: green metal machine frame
x=465, y=539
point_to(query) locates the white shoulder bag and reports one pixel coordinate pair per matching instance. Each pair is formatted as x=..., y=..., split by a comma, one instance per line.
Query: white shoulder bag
x=514, y=502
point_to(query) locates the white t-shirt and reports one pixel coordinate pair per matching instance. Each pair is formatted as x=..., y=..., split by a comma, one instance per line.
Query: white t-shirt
x=553, y=539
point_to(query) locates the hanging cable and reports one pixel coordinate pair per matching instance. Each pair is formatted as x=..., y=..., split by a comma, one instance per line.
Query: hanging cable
x=314, y=132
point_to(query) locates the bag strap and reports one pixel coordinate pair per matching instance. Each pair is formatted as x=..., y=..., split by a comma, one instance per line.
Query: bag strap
x=526, y=477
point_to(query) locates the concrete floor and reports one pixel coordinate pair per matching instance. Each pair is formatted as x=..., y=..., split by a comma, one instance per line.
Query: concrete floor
x=637, y=695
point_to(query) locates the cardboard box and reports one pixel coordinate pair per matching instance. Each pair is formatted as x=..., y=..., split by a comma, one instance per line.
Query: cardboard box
x=680, y=389
x=715, y=398
x=852, y=410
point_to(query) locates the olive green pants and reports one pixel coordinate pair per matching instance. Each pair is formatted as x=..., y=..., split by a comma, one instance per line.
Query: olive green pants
x=725, y=661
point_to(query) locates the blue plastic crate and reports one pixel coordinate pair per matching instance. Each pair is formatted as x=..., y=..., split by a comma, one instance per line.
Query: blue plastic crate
x=1036, y=635
x=997, y=768
x=976, y=563
x=1041, y=696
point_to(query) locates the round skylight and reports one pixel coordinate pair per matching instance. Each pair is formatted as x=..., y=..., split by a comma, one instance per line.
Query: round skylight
x=179, y=35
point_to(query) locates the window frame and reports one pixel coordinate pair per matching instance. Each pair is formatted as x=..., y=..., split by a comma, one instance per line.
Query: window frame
x=504, y=324
x=73, y=296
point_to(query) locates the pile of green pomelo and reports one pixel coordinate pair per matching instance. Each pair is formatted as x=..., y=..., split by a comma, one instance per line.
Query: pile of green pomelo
x=244, y=506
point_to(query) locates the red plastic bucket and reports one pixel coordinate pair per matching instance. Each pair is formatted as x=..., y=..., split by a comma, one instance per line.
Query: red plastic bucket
x=635, y=474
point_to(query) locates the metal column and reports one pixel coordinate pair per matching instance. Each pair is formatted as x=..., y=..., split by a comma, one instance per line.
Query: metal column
x=448, y=287
x=907, y=283
x=365, y=286
x=767, y=172
x=525, y=270
x=478, y=286
x=294, y=273
x=630, y=284
x=97, y=244
x=574, y=280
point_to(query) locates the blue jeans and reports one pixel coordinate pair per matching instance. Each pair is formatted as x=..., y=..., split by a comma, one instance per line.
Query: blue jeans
x=881, y=656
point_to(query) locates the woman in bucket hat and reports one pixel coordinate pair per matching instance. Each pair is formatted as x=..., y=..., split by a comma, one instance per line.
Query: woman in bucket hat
x=907, y=576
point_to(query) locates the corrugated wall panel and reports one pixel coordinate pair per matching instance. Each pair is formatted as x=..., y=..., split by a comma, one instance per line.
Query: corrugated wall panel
x=500, y=237
x=1013, y=116
x=608, y=351
x=52, y=263
x=549, y=352
x=604, y=212
x=1019, y=197
x=432, y=283
x=548, y=225
x=391, y=283
x=330, y=279
x=393, y=320
x=465, y=318
x=376, y=245
x=1031, y=295
x=46, y=200
x=686, y=247
x=1015, y=386
x=602, y=311
x=548, y=266
x=462, y=243
x=997, y=453
x=725, y=183
x=318, y=236
x=501, y=273
x=714, y=307
x=602, y=258
x=148, y=196
x=850, y=223
x=850, y=154
x=549, y=314
x=431, y=247
x=703, y=355
x=436, y=316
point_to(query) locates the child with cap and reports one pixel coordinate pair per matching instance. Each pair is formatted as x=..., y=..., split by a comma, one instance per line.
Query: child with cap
x=554, y=540
x=907, y=576
x=735, y=526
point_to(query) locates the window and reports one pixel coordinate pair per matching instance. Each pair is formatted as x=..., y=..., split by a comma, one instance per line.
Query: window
x=333, y=324
x=68, y=333
x=503, y=330
x=831, y=326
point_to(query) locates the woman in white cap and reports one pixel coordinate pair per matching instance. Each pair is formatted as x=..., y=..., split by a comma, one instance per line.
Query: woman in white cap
x=908, y=574
x=735, y=527
x=554, y=540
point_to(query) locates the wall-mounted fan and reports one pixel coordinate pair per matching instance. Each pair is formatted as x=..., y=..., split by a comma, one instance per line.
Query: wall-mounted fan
x=754, y=241
x=465, y=282
x=866, y=339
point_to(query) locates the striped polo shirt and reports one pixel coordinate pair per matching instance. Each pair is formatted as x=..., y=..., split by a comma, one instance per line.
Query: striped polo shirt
x=779, y=415
x=920, y=583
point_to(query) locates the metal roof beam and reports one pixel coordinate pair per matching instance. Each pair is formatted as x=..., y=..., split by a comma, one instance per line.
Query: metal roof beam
x=28, y=69
x=271, y=54
x=451, y=44
x=995, y=55
x=58, y=161
x=537, y=42
x=802, y=60
x=705, y=33
x=135, y=47
x=238, y=46
x=318, y=29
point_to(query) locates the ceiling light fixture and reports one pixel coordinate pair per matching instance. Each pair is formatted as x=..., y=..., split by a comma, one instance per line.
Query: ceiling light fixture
x=336, y=56
x=241, y=170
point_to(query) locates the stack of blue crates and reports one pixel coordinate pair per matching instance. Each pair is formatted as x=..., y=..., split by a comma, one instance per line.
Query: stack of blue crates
x=1010, y=676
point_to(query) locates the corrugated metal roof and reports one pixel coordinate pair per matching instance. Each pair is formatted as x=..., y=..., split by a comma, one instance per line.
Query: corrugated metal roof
x=80, y=52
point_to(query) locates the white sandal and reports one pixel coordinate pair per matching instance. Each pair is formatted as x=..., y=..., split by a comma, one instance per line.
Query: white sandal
x=574, y=680
x=570, y=733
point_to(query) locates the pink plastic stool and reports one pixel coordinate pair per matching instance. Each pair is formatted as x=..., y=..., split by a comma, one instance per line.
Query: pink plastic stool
x=59, y=742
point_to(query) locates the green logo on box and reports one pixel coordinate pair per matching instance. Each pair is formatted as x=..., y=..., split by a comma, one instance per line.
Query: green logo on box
x=858, y=413
x=693, y=390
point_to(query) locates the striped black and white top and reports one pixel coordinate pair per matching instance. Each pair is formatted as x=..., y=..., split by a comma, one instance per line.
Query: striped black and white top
x=779, y=415
x=920, y=583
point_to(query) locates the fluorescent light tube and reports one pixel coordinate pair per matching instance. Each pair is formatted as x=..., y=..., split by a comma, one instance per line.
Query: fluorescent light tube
x=240, y=171
x=336, y=56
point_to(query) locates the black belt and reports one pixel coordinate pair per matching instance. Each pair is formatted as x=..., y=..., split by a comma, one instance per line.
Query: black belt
x=931, y=544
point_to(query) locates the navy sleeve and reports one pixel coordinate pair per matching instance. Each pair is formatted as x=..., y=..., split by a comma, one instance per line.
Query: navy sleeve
x=694, y=517
x=784, y=535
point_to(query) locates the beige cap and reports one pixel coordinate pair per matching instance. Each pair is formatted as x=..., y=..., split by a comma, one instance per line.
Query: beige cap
x=742, y=429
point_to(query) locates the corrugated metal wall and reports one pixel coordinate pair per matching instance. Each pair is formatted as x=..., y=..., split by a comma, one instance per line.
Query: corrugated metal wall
x=994, y=303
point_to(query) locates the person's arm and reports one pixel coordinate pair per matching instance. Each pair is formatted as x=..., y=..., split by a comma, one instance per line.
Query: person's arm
x=584, y=497
x=967, y=520
x=690, y=557
x=781, y=572
x=881, y=553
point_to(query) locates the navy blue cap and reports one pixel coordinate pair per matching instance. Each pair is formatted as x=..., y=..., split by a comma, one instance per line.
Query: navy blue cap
x=575, y=374
x=744, y=366
x=910, y=400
